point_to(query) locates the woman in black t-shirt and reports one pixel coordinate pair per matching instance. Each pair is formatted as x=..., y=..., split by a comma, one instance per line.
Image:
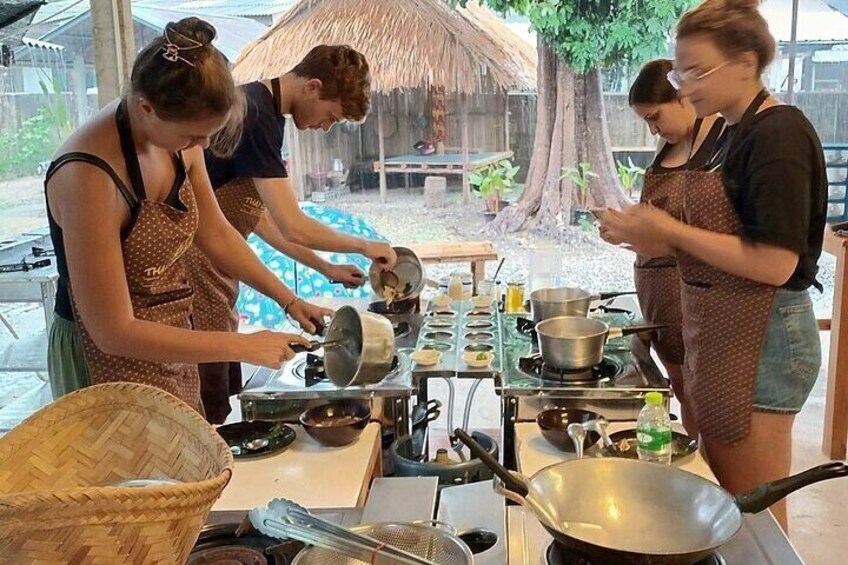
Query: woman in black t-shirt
x=747, y=251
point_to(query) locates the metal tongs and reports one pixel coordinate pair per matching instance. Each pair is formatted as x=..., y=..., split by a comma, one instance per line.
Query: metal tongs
x=297, y=523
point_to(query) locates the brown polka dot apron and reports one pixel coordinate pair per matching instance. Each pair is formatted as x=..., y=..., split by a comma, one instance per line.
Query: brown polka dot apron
x=657, y=279
x=215, y=296
x=724, y=316
x=153, y=246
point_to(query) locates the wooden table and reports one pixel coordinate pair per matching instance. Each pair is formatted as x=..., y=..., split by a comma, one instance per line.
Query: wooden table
x=474, y=252
x=446, y=164
x=835, y=438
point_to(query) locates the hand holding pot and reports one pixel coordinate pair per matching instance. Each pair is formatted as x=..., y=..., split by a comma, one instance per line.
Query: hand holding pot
x=643, y=228
x=381, y=254
x=348, y=275
x=270, y=349
x=309, y=316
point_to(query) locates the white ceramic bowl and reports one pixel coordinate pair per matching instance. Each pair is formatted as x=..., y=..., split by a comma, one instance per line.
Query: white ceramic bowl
x=476, y=358
x=426, y=357
x=441, y=301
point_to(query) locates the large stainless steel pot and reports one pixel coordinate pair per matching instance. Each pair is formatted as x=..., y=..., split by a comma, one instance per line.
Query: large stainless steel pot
x=409, y=271
x=553, y=302
x=364, y=348
x=627, y=511
x=576, y=342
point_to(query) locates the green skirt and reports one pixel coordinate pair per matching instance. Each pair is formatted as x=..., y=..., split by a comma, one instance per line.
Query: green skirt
x=65, y=358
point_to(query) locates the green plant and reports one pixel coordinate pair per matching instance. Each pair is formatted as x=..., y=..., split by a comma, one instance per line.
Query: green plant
x=55, y=108
x=580, y=176
x=23, y=150
x=494, y=181
x=629, y=174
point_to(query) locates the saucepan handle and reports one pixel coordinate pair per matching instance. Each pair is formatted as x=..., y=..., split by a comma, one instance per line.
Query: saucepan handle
x=608, y=295
x=313, y=346
x=511, y=482
x=629, y=330
x=767, y=494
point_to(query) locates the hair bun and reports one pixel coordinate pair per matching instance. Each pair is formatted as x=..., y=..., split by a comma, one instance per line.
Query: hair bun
x=740, y=5
x=194, y=29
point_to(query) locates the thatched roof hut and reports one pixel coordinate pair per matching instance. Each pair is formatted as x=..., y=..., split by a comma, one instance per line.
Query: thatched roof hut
x=409, y=44
x=422, y=48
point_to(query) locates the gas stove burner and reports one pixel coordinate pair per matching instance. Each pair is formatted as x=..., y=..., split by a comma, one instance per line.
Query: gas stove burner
x=399, y=307
x=557, y=555
x=219, y=545
x=401, y=329
x=533, y=365
x=311, y=370
x=527, y=327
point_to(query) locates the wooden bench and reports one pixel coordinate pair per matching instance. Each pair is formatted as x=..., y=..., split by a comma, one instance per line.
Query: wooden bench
x=474, y=252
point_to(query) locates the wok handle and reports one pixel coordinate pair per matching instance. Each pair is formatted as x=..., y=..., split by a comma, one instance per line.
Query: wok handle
x=478, y=451
x=767, y=494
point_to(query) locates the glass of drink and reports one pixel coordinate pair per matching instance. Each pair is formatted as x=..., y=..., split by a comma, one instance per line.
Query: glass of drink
x=515, y=297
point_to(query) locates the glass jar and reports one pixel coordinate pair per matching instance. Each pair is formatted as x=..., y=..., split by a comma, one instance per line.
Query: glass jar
x=515, y=297
x=467, y=286
x=455, y=286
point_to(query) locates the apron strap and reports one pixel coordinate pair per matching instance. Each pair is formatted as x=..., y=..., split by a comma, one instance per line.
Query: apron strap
x=128, y=195
x=695, y=131
x=278, y=103
x=128, y=149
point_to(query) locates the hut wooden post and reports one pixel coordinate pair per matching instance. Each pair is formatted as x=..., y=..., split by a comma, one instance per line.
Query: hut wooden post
x=382, y=144
x=114, y=47
x=506, y=120
x=466, y=185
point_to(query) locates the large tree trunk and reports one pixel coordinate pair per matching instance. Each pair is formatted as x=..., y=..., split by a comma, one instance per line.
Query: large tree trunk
x=571, y=128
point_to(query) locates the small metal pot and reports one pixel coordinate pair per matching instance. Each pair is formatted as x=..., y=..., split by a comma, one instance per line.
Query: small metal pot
x=409, y=271
x=365, y=348
x=553, y=302
x=574, y=342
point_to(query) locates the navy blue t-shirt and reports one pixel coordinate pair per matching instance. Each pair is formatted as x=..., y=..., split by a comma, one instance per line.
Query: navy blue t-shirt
x=259, y=152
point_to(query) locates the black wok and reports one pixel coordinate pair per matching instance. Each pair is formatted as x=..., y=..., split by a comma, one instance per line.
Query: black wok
x=636, y=513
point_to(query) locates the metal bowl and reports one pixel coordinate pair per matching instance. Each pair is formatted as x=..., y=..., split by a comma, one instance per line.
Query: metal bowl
x=554, y=422
x=337, y=423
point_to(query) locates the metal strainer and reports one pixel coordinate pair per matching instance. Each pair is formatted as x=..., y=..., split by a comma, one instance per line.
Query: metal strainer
x=430, y=542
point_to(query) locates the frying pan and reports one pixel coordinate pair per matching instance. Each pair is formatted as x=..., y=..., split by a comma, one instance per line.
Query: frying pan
x=577, y=342
x=635, y=513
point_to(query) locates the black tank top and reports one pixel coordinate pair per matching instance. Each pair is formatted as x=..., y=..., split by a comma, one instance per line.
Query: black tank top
x=132, y=197
x=700, y=158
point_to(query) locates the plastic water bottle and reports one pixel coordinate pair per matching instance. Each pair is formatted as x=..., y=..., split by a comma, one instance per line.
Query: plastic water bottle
x=653, y=431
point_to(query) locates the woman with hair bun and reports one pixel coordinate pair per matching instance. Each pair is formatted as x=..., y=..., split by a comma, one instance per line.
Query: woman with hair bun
x=127, y=195
x=747, y=248
x=687, y=143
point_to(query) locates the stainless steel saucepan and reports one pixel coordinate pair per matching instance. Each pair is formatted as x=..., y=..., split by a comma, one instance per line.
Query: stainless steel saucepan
x=576, y=342
x=631, y=512
x=553, y=302
x=363, y=348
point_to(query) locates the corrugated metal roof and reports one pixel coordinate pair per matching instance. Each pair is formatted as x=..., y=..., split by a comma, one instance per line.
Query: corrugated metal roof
x=37, y=43
x=243, y=8
x=233, y=33
x=817, y=21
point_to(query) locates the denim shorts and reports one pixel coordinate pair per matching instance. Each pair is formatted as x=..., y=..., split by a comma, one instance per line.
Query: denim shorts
x=791, y=356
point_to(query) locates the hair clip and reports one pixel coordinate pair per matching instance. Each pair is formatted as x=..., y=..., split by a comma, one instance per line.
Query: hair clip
x=171, y=51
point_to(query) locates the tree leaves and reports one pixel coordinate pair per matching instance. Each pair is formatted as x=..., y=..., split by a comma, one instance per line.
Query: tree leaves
x=590, y=34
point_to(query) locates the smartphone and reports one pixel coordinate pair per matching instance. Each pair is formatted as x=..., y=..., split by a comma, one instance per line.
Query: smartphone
x=598, y=213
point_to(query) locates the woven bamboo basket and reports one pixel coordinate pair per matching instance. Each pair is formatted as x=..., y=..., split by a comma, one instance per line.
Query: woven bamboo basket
x=52, y=509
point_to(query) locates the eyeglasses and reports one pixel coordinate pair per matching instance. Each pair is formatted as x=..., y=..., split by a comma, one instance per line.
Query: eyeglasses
x=676, y=78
